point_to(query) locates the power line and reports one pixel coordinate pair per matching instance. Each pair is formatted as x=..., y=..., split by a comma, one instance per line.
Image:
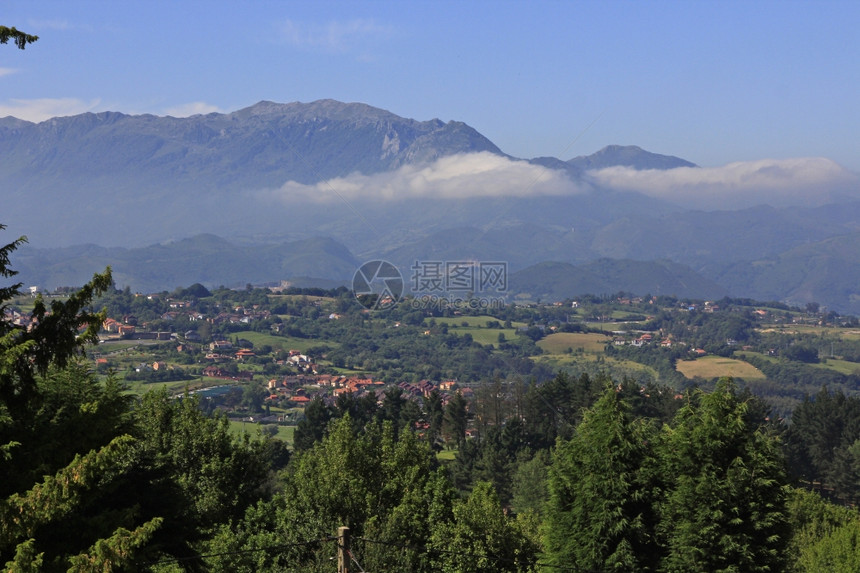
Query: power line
x=269, y=549
x=496, y=558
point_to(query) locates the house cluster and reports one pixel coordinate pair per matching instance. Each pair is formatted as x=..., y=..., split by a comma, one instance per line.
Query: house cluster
x=295, y=388
x=629, y=301
x=217, y=372
x=331, y=386
x=302, y=362
x=241, y=315
x=220, y=350
x=126, y=328
x=707, y=306
x=623, y=338
x=13, y=316
x=424, y=388
x=112, y=326
x=191, y=315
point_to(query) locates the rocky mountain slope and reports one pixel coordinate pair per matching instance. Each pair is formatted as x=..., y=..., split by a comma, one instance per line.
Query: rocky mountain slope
x=274, y=181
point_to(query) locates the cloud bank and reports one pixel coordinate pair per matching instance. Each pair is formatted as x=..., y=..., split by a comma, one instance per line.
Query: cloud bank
x=38, y=110
x=807, y=181
x=464, y=176
x=786, y=182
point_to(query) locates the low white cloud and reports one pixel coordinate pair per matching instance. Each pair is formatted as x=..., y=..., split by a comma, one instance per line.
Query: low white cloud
x=472, y=175
x=804, y=181
x=333, y=36
x=193, y=108
x=37, y=110
x=7, y=71
x=779, y=182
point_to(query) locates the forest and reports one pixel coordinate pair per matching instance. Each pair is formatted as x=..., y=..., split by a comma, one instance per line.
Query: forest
x=572, y=473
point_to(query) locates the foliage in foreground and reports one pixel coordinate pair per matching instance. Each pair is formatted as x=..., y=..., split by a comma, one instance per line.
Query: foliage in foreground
x=94, y=481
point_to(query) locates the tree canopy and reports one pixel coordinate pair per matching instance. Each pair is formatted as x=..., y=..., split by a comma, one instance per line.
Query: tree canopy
x=19, y=38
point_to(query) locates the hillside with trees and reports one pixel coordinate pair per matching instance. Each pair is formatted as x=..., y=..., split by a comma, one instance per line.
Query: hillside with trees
x=530, y=473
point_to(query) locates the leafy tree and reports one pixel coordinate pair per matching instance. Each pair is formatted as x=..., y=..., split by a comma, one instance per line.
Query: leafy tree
x=824, y=535
x=385, y=489
x=311, y=428
x=601, y=511
x=726, y=510
x=838, y=551
x=74, y=412
x=253, y=397
x=481, y=538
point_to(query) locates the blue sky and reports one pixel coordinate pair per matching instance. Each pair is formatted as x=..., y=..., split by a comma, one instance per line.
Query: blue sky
x=712, y=82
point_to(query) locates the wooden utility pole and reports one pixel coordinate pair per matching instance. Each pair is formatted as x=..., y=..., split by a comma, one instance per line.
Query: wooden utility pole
x=343, y=550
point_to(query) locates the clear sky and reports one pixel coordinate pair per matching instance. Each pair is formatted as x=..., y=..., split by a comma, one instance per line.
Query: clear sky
x=712, y=82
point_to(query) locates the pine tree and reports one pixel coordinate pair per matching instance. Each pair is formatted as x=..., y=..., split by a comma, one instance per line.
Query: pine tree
x=17, y=36
x=600, y=514
x=454, y=421
x=726, y=510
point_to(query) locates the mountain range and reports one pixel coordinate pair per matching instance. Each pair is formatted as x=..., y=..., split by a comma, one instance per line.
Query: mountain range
x=297, y=191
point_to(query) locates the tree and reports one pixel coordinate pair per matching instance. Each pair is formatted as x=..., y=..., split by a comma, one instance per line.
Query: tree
x=62, y=452
x=311, y=428
x=435, y=412
x=820, y=443
x=529, y=484
x=727, y=508
x=385, y=488
x=193, y=471
x=18, y=37
x=454, y=421
x=825, y=536
x=253, y=397
x=601, y=511
x=56, y=336
x=481, y=538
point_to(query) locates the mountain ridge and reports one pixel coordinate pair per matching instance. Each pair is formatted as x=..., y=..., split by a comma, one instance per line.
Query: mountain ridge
x=254, y=175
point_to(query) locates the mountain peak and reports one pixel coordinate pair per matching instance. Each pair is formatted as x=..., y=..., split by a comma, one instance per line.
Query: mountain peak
x=627, y=156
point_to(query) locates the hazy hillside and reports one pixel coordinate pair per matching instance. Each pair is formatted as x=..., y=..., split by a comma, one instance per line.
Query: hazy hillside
x=206, y=259
x=826, y=271
x=552, y=281
x=274, y=191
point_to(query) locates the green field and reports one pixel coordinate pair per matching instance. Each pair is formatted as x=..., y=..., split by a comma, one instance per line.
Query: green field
x=559, y=342
x=282, y=342
x=486, y=336
x=717, y=366
x=841, y=366
x=845, y=333
x=472, y=321
x=476, y=327
x=285, y=433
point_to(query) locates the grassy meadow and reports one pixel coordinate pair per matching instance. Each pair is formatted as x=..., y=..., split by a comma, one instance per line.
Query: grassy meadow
x=709, y=367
